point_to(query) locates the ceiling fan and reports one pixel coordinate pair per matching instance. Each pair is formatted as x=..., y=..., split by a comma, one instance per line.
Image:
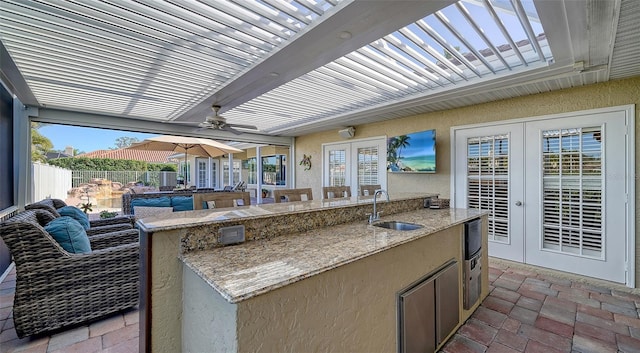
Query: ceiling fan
x=217, y=122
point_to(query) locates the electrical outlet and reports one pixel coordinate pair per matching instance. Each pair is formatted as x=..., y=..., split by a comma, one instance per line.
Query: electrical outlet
x=231, y=235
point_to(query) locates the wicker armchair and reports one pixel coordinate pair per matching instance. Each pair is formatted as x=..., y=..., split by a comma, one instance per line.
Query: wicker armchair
x=55, y=288
x=52, y=205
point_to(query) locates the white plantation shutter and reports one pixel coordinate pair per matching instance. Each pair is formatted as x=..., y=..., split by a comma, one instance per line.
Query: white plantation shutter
x=368, y=166
x=337, y=167
x=572, y=191
x=488, y=181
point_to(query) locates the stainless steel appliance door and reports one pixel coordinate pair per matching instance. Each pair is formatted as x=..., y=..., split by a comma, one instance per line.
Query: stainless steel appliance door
x=447, y=302
x=418, y=318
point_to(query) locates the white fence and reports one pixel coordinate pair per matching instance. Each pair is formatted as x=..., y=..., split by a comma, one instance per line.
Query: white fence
x=50, y=182
x=154, y=178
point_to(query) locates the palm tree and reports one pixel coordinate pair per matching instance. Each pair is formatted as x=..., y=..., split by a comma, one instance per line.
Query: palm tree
x=392, y=153
x=394, y=149
x=401, y=142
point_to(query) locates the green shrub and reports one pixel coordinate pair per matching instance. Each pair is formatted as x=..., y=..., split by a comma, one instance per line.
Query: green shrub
x=106, y=214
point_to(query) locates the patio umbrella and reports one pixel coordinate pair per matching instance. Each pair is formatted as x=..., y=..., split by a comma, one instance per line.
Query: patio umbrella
x=187, y=145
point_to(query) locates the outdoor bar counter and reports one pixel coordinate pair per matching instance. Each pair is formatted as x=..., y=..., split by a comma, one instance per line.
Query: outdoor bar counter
x=311, y=275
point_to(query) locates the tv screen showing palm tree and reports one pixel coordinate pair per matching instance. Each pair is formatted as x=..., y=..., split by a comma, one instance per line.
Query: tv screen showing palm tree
x=412, y=153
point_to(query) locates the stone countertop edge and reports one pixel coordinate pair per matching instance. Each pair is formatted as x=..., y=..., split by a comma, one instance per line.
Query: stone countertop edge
x=230, y=270
x=196, y=218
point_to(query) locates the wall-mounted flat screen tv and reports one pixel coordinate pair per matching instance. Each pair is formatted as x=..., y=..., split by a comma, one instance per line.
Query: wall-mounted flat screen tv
x=412, y=153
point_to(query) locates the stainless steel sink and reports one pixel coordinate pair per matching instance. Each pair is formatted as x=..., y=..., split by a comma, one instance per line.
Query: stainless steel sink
x=395, y=225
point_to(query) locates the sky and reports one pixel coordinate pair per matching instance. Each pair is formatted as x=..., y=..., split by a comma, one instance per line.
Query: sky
x=85, y=139
x=420, y=144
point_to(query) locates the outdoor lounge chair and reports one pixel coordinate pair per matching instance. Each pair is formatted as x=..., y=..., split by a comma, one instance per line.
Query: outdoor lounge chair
x=52, y=205
x=55, y=288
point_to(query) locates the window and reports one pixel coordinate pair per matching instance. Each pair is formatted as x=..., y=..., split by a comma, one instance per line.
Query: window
x=236, y=172
x=252, y=167
x=488, y=181
x=573, y=191
x=202, y=173
x=274, y=170
x=359, y=162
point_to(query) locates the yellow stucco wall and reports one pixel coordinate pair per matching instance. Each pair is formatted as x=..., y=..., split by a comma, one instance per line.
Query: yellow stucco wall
x=602, y=95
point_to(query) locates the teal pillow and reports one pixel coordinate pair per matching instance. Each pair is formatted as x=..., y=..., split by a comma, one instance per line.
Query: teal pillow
x=182, y=203
x=152, y=202
x=76, y=214
x=69, y=234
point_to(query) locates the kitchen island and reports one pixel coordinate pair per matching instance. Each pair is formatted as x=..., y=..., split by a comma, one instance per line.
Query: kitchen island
x=310, y=276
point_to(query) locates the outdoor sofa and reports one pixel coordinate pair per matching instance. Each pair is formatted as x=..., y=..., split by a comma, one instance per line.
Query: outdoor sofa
x=56, y=288
x=183, y=200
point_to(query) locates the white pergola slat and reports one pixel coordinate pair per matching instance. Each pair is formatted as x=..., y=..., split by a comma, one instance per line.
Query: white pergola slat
x=157, y=60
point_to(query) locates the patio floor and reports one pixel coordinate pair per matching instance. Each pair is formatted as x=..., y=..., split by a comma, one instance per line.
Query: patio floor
x=528, y=310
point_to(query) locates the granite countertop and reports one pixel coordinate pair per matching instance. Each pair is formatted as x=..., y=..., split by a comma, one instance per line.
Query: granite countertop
x=242, y=271
x=185, y=219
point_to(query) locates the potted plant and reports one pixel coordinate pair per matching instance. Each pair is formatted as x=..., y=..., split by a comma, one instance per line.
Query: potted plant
x=106, y=214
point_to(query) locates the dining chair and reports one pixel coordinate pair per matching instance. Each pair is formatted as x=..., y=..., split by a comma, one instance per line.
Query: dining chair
x=331, y=192
x=369, y=190
x=221, y=199
x=289, y=195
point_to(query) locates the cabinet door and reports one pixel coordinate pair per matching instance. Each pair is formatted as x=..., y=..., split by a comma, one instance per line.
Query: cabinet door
x=418, y=319
x=447, y=286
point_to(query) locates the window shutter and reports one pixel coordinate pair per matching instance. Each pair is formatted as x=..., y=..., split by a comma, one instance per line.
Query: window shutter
x=488, y=181
x=572, y=191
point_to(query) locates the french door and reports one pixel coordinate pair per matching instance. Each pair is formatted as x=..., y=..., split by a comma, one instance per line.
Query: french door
x=359, y=162
x=578, y=184
x=206, y=173
x=556, y=189
x=489, y=176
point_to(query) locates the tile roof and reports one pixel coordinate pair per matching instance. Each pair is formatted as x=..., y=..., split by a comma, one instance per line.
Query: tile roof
x=136, y=155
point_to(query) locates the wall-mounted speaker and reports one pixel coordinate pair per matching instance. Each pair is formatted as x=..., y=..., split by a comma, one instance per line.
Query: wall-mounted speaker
x=348, y=132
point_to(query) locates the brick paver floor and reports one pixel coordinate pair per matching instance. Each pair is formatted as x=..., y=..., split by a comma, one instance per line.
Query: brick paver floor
x=527, y=310
x=531, y=311
x=116, y=334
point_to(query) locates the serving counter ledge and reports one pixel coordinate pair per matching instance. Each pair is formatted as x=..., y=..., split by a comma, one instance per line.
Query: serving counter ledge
x=243, y=271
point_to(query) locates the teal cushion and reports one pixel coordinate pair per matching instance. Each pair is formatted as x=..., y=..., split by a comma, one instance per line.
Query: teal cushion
x=182, y=203
x=69, y=234
x=204, y=205
x=76, y=214
x=152, y=202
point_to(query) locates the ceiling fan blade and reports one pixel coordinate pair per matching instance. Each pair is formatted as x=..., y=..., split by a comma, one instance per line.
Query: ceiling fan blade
x=194, y=123
x=251, y=127
x=230, y=129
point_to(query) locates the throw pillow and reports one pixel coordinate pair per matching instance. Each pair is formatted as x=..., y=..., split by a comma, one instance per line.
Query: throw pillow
x=145, y=211
x=211, y=204
x=76, y=214
x=182, y=203
x=69, y=234
x=152, y=202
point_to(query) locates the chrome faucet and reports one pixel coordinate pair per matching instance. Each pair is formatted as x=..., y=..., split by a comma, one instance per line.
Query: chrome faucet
x=375, y=216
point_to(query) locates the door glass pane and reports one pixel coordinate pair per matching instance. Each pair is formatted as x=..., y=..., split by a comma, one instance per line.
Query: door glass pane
x=252, y=178
x=488, y=181
x=367, y=166
x=236, y=172
x=572, y=191
x=337, y=167
x=202, y=174
x=214, y=174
